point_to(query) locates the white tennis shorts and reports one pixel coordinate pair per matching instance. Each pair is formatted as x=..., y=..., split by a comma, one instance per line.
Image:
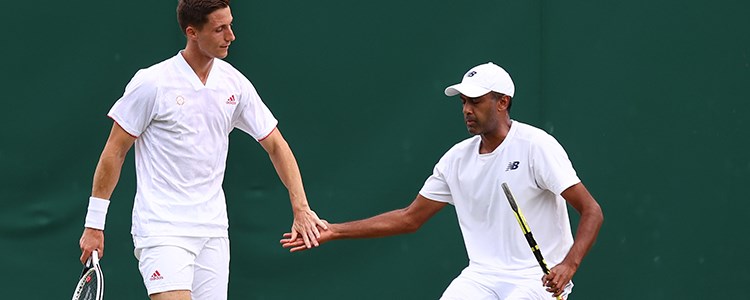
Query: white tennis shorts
x=200, y=265
x=475, y=285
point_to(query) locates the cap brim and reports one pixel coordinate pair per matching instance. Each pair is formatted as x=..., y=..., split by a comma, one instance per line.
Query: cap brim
x=468, y=90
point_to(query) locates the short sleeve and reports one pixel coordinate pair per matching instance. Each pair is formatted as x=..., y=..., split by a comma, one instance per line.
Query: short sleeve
x=552, y=168
x=436, y=187
x=253, y=116
x=135, y=109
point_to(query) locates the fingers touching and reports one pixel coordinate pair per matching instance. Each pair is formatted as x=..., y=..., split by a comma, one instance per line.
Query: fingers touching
x=306, y=225
x=296, y=242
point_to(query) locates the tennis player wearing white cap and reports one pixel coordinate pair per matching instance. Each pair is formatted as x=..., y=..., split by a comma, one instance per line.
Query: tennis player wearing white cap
x=469, y=175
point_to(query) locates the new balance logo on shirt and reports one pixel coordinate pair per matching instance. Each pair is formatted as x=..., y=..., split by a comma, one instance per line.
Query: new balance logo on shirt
x=156, y=276
x=512, y=166
x=232, y=100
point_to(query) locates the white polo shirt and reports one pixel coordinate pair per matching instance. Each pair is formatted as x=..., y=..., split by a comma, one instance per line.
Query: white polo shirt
x=182, y=129
x=537, y=169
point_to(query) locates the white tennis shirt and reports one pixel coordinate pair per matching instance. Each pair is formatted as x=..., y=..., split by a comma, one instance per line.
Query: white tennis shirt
x=537, y=170
x=182, y=128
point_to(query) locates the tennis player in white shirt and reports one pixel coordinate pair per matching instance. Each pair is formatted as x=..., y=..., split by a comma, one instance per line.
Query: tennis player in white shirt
x=178, y=114
x=469, y=177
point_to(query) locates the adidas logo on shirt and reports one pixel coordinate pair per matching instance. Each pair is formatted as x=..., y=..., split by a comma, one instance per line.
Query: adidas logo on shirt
x=156, y=276
x=232, y=100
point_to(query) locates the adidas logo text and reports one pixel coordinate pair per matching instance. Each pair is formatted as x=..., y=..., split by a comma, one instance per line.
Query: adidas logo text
x=156, y=276
x=232, y=100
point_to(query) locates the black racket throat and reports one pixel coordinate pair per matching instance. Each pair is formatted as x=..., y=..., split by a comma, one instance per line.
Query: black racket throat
x=91, y=282
x=525, y=228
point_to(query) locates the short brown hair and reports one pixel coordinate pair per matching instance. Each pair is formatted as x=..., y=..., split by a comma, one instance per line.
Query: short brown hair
x=195, y=12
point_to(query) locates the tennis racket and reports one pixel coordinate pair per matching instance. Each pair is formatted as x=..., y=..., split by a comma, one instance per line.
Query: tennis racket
x=91, y=284
x=526, y=230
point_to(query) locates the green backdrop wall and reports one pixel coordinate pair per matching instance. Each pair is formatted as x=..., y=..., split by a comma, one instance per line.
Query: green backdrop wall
x=649, y=98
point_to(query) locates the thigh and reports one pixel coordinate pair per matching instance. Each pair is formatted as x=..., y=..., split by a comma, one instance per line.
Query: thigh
x=212, y=270
x=466, y=288
x=166, y=268
x=527, y=290
x=521, y=292
x=171, y=295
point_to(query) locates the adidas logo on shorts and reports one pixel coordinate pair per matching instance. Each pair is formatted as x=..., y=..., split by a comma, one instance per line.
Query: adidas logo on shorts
x=156, y=276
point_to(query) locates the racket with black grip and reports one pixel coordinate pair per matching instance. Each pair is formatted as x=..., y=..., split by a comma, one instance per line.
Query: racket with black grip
x=526, y=230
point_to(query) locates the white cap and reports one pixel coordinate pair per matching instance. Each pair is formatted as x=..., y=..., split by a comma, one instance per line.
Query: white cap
x=481, y=80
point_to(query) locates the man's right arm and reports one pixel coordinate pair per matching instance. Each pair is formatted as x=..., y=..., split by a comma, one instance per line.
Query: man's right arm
x=400, y=221
x=106, y=176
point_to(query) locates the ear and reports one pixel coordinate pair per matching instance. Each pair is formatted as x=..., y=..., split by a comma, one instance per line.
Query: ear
x=502, y=103
x=191, y=33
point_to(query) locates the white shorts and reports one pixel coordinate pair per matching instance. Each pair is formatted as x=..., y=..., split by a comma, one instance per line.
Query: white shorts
x=199, y=265
x=475, y=285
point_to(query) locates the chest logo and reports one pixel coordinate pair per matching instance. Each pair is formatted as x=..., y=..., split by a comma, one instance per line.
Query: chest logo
x=512, y=166
x=180, y=100
x=232, y=100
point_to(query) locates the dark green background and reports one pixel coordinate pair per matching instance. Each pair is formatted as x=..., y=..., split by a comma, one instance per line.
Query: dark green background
x=650, y=99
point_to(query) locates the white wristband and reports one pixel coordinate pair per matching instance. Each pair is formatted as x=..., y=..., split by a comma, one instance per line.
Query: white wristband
x=97, y=213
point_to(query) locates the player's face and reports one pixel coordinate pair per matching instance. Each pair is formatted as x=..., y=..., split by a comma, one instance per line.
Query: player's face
x=481, y=114
x=216, y=35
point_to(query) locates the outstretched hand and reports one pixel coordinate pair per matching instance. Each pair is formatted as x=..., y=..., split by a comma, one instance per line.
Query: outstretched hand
x=295, y=243
x=305, y=226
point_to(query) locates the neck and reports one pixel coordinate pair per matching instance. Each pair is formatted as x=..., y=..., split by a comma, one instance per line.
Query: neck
x=200, y=63
x=492, y=140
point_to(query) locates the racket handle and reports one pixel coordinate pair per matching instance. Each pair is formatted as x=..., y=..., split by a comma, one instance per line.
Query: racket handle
x=94, y=258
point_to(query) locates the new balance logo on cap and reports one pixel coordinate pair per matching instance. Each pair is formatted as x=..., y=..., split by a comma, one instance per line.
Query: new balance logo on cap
x=232, y=100
x=481, y=80
x=156, y=276
x=512, y=166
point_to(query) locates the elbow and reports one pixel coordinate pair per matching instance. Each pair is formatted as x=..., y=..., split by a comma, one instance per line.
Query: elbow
x=410, y=223
x=595, y=213
x=411, y=227
x=112, y=159
x=120, y=156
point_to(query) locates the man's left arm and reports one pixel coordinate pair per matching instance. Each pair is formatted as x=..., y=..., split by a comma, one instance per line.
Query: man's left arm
x=305, y=220
x=588, y=228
